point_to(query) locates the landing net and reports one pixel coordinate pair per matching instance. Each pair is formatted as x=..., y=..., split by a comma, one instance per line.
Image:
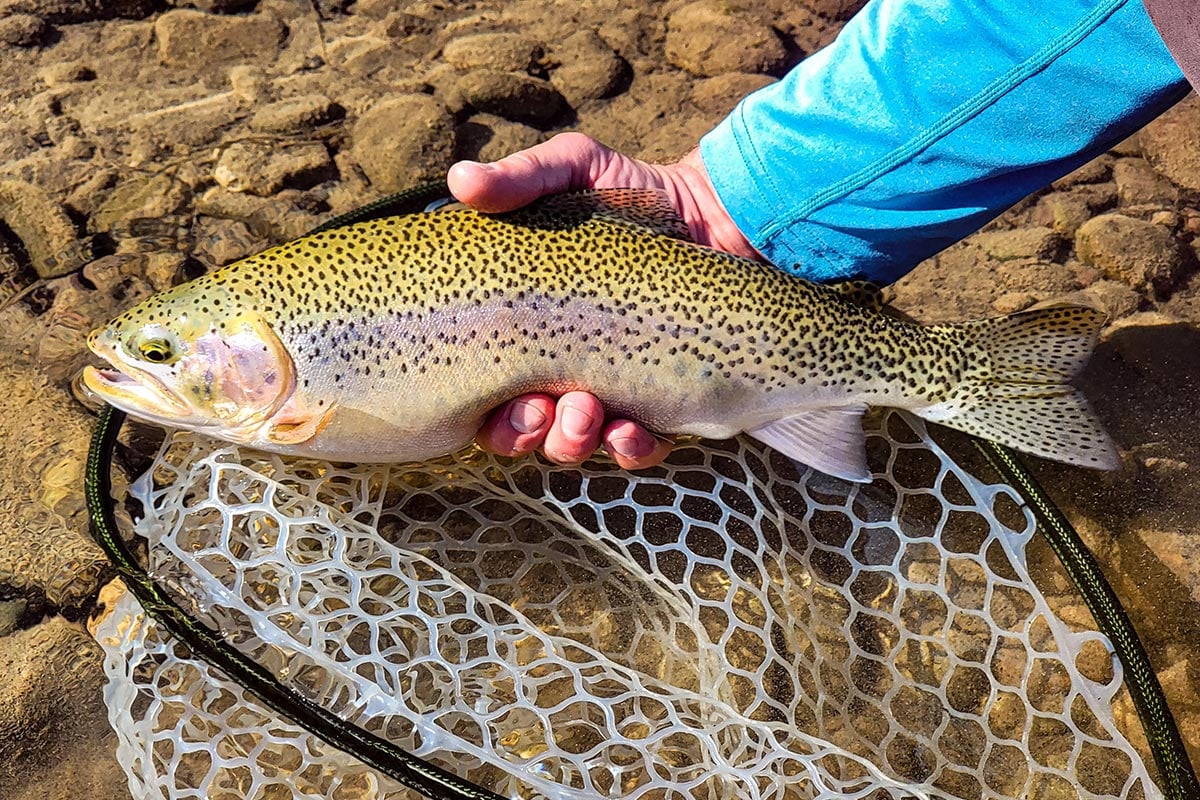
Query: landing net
x=727, y=626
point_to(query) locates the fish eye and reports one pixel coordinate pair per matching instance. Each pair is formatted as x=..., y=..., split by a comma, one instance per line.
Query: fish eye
x=156, y=348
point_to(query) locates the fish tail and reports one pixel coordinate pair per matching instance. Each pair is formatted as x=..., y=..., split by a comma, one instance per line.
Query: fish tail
x=1018, y=394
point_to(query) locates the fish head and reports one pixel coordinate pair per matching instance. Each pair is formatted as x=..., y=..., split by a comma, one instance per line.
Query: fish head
x=211, y=366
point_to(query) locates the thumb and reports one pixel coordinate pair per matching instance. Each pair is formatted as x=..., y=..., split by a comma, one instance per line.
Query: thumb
x=568, y=161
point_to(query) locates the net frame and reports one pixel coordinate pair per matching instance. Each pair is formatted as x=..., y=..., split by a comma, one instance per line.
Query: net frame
x=720, y=690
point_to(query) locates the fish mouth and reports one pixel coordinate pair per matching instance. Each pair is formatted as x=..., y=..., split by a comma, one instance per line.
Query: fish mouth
x=140, y=393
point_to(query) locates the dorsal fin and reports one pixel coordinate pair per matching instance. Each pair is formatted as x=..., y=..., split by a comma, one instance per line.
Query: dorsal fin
x=649, y=209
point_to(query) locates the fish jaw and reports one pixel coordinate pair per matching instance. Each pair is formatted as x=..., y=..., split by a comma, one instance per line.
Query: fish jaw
x=226, y=384
x=142, y=395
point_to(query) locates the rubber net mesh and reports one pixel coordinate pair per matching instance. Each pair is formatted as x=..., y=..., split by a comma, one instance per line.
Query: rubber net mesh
x=727, y=626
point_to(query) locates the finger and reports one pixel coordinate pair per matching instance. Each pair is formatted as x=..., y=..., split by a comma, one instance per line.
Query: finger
x=632, y=446
x=518, y=427
x=575, y=434
x=568, y=161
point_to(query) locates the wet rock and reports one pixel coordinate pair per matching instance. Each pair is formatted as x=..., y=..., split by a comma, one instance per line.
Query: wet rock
x=516, y=97
x=263, y=168
x=835, y=9
x=498, y=52
x=63, y=73
x=486, y=137
x=1043, y=244
x=369, y=57
x=719, y=95
x=223, y=241
x=1097, y=170
x=188, y=38
x=113, y=283
x=53, y=727
x=70, y=11
x=710, y=38
x=1112, y=297
x=1172, y=143
x=142, y=197
x=670, y=142
x=45, y=552
x=296, y=114
x=48, y=235
x=22, y=30
x=1062, y=212
x=1179, y=552
x=11, y=612
x=1128, y=148
x=1133, y=251
x=1139, y=184
x=1065, y=211
x=404, y=141
x=216, y=6
x=400, y=25
x=588, y=69
x=1012, y=302
x=248, y=82
x=269, y=220
x=181, y=128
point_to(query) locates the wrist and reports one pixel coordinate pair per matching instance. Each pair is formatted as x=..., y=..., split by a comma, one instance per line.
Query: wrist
x=709, y=222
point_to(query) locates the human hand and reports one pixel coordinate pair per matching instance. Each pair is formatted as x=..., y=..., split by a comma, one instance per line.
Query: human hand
x=570, y=430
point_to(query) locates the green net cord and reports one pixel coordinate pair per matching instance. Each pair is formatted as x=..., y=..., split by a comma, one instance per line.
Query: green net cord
x=1166, y=745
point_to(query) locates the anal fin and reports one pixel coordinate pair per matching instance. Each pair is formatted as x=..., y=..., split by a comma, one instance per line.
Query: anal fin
x=828, y=439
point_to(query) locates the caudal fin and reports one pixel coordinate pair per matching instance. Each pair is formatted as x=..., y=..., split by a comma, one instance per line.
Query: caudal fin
x=1019, y=395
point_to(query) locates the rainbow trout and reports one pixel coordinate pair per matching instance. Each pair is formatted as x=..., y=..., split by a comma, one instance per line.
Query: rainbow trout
x=390, y=340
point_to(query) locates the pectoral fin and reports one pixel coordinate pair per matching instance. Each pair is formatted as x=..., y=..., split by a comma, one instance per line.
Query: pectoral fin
x=294, y=424
x=828, y=439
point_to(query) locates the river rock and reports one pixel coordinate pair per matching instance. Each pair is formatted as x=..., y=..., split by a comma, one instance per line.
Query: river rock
x=1114, y=298
x=223, y=241
x=263, y=168
x=835, y=9
x=499, y=52
x=152, y=196
x=1043, y=244
x=520, y=98
x=1139, y=253
x=1139, y=184
x=588, y=69
x=1097, y=170
x=188, y=38
x=1065, y=211
x=64, y=73
x=70, y=11
x=46, y=554
x=486, y=137
x=216, y=6
x=1172, y=143
x=403, y=141
x=710, y=38
x=48, y=235
x=1179, y=552
x=296, y=114
x=54, y=736
x=718, y=95
x=22, y=30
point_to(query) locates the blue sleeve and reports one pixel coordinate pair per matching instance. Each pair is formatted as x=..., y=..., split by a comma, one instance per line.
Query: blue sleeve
x=924, y=119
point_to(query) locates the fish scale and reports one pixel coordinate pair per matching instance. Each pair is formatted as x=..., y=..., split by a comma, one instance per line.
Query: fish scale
x=398, y=335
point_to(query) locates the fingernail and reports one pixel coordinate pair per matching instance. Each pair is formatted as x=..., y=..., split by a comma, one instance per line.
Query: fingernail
x=576, y=422
x=526, y=417
x=480, y=165
x=633, y=446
